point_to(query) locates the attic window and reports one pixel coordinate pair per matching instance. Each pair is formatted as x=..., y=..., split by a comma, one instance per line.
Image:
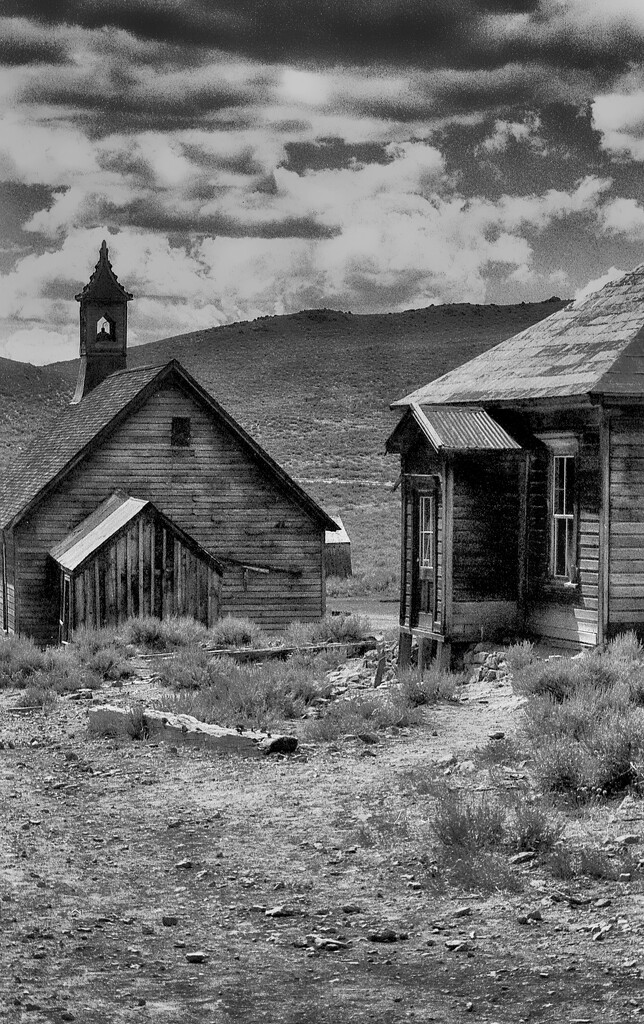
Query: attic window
x=180, y=435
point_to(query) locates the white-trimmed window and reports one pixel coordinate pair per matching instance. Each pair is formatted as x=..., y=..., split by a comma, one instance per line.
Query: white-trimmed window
x=427, y=538
x=564, y=525
x=562, y=505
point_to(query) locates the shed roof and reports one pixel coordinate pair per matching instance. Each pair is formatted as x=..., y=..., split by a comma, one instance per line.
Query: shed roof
x=462, y=429
x=339, y=536
x=104, y=523
x=594, y=346
x=99, y=527
x=79, y=428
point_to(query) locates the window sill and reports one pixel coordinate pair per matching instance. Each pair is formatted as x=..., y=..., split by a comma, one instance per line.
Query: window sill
x=561, y=588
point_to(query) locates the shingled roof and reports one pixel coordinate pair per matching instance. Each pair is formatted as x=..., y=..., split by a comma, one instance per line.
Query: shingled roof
x=594, y=346
x=79, y=428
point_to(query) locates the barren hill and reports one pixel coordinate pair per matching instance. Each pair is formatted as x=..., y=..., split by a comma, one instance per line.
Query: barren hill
x=314, y=388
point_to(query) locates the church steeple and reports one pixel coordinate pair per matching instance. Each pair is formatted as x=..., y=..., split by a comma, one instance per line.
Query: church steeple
x=103, y=326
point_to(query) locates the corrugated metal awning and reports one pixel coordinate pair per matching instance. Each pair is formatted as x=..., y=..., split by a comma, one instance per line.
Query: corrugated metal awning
x=110, y=517
x=462, y=428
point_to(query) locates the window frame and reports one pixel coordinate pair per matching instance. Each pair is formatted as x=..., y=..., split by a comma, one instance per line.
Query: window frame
x=181, y=432
x=427, y=531
x=563, y=447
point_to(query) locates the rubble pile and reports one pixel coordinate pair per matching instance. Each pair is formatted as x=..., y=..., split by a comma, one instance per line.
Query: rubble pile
x=484, y=665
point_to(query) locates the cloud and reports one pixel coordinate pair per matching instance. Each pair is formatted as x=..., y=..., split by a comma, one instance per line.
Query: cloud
x=507, y=133
x=620, y=119
x=593, y=286
x=37, y=345
x=623, y=217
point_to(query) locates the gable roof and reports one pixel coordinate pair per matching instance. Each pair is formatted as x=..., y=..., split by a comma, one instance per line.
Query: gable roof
x=79, y=429
x=104, y=523
x=594, y=346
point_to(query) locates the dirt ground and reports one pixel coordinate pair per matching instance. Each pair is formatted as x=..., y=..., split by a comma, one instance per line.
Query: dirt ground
x=102, y=839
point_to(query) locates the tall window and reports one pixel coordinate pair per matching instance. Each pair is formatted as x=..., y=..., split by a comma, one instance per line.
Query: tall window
x=180, y=432
x=427, y=545
x=564, y=526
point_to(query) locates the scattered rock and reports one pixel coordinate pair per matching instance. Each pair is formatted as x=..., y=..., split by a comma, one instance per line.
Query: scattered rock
x=281, y=911
x=523, y=858
x=197, y=957
x=323, y=942
x=462, y=912
x=630, y=839
x=383, y=935
x=368, y=737
x=456, y=945
x=185, y=863
x=498, y=735
x=169, y=920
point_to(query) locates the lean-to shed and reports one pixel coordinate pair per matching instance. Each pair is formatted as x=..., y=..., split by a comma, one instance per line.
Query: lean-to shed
x=523, y=483
x=338, y=551
x=146, y=463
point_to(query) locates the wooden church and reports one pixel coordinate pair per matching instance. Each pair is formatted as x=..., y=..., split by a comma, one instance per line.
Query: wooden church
x=523, y=483
x=147, y=498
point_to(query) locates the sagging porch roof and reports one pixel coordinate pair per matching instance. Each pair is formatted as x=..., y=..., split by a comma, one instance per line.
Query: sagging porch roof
x=457, y=429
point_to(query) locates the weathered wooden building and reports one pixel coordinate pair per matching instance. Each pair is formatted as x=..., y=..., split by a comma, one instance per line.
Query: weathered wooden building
x=338, y=551
x=146, y=497
x=523, y=483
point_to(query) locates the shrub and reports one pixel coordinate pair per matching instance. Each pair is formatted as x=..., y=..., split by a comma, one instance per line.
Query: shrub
x=379, y=580
x=433, y=687
x=485, y=872
x=519, y=655
x=362, y=714
x=467, y=821
x=532, y=828
x=37, y=696
x=340, y=629
x=19, y=660
x=163, y=634
x=233, y=632
x=252, y=696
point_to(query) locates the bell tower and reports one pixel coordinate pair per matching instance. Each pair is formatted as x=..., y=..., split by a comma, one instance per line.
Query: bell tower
x=103, y=327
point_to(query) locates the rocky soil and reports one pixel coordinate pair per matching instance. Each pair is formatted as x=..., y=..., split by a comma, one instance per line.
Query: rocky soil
x=142, y=881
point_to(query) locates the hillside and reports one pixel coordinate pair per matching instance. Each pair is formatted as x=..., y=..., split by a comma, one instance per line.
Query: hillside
x=29, y=396
x=314, y=388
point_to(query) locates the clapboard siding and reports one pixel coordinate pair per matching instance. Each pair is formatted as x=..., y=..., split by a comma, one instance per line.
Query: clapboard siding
x=562, y=613
x=215, y=491
x=626, y=575
x=486, y=528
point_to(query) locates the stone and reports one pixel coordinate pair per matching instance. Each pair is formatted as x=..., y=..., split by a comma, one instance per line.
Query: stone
x=625, y=876
x=280, y=911
x=323, y=942
x=630, y=839
x=368, y=737
x=456, y=945
x=462, y=912
x=351, y=908
x=169, y=920
x=278, y=745
x=383, y=935
x=185, y=863
x=197, y=957
x=523, y=858
x=497, y=735
x=535, y=915
x=107, y=719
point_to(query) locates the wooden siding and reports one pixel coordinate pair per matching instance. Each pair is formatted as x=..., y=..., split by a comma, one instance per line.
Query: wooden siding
x=214, y=490
x=626, y=528
x=147, y=570
x=7, y=587
x=562, y=613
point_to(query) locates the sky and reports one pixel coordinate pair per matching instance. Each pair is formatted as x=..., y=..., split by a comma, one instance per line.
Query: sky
x=245, y=158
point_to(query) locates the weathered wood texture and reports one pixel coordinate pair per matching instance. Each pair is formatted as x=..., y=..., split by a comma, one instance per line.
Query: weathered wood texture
x=423, y=472
x=214, y=490
x=556, y=611
x=626, y=536
x=109, y=587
